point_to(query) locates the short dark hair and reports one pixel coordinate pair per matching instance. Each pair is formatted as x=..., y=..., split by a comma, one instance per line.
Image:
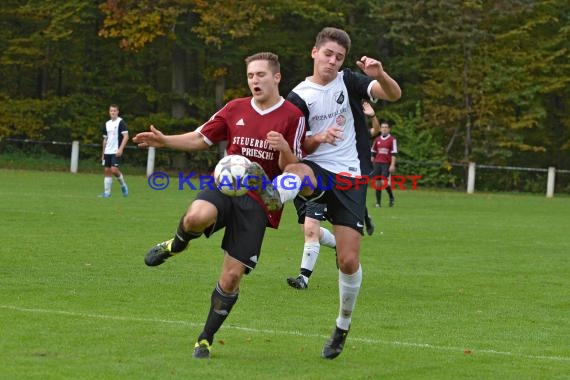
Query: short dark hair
x=271, y=58
x=333, y=34
x=114, y=106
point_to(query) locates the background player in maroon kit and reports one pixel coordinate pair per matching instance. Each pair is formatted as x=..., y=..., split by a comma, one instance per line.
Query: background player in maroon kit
x=269, y=131
x=384, y=150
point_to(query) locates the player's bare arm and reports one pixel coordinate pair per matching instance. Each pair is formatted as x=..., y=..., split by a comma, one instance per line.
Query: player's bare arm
x=103, y=147
x=123, y=144
x=369, y=112
x=190, y=141
x=386, y=88
x=392, y=168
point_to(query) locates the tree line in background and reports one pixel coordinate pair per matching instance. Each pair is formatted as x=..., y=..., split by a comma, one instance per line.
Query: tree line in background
x=483, y=81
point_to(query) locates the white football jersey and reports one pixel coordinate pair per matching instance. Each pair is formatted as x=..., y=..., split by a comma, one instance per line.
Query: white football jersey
x=113, y=130
x=328, y=107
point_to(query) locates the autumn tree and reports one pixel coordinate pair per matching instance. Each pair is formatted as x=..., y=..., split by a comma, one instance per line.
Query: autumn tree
x=484, y=68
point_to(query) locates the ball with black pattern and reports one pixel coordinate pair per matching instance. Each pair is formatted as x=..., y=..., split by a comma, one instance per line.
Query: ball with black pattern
x=230, y=173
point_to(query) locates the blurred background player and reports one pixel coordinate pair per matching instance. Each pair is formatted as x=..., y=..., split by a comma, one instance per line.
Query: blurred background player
x=310, y=215
x=115, y=137
x=384, y=150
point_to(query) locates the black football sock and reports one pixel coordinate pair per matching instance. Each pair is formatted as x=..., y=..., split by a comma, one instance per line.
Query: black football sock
x=378, y=196
x=305, y=272
x=182, y=238
x=367, y=219
x=220, y=307
x=390, y=194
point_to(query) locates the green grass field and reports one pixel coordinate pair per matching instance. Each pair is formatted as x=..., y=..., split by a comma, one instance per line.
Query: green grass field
x=455, y=286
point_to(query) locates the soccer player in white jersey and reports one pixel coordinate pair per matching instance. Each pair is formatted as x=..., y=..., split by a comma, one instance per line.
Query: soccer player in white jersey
x=115, y=137
x=311, y=214
x=269, y=131
x=339, y=152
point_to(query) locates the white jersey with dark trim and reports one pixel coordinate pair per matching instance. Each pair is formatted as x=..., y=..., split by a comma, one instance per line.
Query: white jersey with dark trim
x=328, y=106
x=113, y=130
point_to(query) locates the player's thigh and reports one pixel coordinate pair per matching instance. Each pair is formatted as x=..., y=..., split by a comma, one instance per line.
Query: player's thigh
x=347, y=248
x=245, y=230
x=208, y=212
x=316, y=210
x=347, y=207
x=200, y=214
x=301, y=208
x=385, y=170
x=376, y=171
x=302, y=169
x=109, y=160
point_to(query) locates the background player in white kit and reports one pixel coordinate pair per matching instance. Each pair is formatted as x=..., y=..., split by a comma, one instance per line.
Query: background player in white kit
x=115, y=137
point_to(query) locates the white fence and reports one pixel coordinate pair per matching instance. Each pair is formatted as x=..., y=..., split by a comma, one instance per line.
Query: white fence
x=471, y=172
x=550, y=180
x=470, y=176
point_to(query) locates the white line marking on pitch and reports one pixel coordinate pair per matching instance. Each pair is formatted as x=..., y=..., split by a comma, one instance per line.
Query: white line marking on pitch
x=283, y=332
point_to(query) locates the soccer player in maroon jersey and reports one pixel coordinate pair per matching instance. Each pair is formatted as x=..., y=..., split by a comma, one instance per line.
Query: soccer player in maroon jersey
x=384, y=150
x=269, y=131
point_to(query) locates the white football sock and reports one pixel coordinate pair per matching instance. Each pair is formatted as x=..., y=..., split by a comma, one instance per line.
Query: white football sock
x=107, y=183
x=310, y=256
x=288, y=185
x=121, y=180
x=327, y=238
x=348, y=289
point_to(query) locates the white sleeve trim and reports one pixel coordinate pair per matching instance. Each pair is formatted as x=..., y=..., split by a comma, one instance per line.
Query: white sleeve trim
x=369, y=90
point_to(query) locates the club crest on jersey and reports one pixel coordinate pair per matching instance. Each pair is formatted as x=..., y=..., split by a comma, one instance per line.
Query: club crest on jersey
x=339, y=97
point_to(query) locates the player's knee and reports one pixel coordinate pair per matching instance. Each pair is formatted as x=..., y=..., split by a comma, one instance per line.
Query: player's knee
x=311, y=235
x=312, y=229
x=348, y=263
x=199, y=216
x=300, y=169
x=292, y=168
x=194, y=221
x=229, y=281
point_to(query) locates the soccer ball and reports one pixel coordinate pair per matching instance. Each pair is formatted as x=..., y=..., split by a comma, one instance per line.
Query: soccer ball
x=230, y=173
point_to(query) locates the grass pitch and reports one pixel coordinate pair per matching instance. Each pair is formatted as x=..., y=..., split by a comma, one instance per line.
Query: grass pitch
x=455, y=286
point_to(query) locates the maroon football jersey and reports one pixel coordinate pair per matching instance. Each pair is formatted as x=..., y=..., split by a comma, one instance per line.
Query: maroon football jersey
x=384, y=148
x=244, y=126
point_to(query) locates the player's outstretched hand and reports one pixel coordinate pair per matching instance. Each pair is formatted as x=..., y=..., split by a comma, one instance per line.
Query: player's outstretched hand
x=154, y=138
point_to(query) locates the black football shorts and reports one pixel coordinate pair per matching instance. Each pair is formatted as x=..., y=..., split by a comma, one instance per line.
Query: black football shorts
x=244, y=221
